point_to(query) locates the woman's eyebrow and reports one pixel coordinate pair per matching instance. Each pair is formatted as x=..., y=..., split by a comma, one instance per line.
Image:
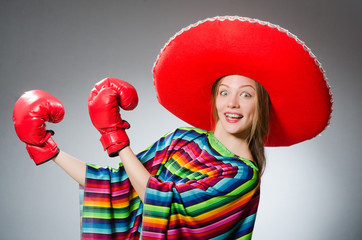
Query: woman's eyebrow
x=242, y=86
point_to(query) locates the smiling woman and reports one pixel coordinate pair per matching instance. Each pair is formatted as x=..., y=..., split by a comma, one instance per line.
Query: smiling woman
x=200, y=182
x=203, y=182
x=235, y=104
x=239, y=101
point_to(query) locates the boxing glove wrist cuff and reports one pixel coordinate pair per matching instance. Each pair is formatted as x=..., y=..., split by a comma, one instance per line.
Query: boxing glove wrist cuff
x=113, y=142
x=43, y=153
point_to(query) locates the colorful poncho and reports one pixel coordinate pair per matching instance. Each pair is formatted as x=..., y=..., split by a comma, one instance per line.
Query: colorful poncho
x=198, y=190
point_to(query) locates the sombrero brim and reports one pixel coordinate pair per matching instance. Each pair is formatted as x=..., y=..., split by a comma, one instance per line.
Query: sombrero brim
x=198, y=55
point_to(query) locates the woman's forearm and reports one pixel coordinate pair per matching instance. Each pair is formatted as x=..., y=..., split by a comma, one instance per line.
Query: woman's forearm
x=136, y=172
x=72, y=166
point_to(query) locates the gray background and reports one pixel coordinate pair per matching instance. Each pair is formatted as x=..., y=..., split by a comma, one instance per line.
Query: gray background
x=309, y=191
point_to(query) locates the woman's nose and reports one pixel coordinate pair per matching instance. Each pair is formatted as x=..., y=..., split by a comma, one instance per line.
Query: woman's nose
x=233, y=102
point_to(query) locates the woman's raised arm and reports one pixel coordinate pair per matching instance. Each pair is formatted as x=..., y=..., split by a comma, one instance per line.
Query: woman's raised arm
x=136, y=172
x=72, y=166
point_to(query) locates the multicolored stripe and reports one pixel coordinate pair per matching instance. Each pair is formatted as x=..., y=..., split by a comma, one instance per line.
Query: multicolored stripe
x=198, y=190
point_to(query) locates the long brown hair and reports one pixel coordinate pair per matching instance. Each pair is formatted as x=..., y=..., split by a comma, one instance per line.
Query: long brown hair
x=260, y=125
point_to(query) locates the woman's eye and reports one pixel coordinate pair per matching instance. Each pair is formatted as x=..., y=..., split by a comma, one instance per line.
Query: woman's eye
x=245, y=94
x=223, y=93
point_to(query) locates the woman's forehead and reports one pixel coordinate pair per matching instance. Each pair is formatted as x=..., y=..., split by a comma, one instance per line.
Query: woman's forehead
x=237, y=81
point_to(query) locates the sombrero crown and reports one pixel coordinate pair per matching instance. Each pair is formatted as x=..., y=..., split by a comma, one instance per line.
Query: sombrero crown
x=198, y=55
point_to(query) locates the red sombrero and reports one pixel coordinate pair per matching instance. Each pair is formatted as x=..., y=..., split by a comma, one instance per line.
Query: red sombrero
x=198, y=55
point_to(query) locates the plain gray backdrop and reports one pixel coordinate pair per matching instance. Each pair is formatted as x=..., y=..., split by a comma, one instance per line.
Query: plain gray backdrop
x=309, y=191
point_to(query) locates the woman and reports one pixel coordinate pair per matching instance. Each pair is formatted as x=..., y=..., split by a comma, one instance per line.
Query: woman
x=193, y=184
x=196, y=183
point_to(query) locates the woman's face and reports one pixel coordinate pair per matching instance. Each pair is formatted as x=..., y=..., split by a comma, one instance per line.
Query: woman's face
x=235, y=104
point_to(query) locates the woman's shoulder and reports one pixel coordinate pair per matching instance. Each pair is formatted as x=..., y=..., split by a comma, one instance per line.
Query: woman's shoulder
x=191, y=130
x=182, y=136
x=204, y=142
x=188, y=133
x=208, y=144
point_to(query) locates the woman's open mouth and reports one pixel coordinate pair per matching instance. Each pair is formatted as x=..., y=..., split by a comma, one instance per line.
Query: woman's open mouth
x=233, y=117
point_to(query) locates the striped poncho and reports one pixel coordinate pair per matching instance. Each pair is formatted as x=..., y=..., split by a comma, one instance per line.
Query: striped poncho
x=198, y=190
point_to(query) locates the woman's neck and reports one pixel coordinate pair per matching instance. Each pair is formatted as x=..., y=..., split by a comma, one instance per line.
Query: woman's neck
x=234, y=143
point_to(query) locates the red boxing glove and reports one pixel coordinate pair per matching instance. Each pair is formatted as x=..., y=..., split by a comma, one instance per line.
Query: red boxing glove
x=103, y=104
x=31, y=111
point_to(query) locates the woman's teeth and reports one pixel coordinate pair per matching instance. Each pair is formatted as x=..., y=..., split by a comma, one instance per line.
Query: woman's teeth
x=231, y=115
